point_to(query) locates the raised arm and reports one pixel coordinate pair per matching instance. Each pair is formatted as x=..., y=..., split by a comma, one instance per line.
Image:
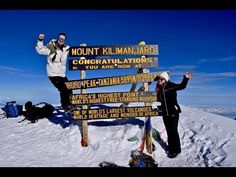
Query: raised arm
x=184, y=82
x=40, y=48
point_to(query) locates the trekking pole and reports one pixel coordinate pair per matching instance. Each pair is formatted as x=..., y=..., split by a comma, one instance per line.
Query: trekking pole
x=3, y=115
x=181, y=126
x=22, y=120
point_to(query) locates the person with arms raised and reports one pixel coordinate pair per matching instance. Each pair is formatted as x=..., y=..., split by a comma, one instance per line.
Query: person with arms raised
x=56, y=52
x=170, y=109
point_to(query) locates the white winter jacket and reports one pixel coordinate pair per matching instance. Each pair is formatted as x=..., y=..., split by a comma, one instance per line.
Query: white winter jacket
x=56, y=60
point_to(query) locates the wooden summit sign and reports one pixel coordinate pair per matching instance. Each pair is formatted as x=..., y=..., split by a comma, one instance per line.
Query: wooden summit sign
x=114, y=113
x=109, y=81
x=75, y=51
x=113, y=97
x=116, y=63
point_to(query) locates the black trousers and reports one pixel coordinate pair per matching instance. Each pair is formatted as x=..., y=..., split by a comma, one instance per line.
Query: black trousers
x=171, y=125
x=59, y=83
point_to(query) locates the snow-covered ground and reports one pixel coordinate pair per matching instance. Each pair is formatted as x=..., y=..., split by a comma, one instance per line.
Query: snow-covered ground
x=207, y=140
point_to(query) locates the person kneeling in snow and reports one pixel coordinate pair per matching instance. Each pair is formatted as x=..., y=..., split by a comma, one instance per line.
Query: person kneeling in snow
x=170, y=109
x=39, y=111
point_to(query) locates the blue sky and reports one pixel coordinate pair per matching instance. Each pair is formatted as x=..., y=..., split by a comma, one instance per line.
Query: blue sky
x=202, y=41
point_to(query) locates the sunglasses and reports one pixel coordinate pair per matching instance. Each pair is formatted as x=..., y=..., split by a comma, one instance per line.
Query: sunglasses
x=61, y=39
x=160, y=78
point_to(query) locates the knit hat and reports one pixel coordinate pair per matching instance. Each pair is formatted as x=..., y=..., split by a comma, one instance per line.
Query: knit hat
x=142, y=43
x=165, y=76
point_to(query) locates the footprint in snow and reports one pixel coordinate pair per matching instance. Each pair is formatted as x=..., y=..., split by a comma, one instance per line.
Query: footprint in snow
x=204, y=119
x=214, y=126
x=229, y=135
x=95, y=146
x=222, y=143
x=218, y=160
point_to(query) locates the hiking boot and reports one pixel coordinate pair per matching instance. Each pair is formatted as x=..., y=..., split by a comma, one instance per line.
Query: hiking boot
x=172, y=155
x=66, y=108
x=70, y=108
x=34, y=121
x=107, y=164
x=153, y=147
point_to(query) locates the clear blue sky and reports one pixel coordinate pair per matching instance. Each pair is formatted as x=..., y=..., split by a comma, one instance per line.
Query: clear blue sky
x=202, y=41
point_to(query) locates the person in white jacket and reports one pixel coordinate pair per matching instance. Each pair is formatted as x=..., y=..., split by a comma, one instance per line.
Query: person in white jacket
x=57, y=52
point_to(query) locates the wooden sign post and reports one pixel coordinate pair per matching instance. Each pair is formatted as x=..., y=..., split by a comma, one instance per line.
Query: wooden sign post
x=143, y=95
x=84, y=140
x=147, y=135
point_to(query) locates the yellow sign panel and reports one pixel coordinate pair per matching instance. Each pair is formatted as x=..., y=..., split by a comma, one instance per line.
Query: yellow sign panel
x=113, y=97
x=109, y=81
x=114, y=113
x=112, y=63
x=113, y=50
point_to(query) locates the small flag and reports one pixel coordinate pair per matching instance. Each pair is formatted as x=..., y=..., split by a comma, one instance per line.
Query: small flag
x=148, y=126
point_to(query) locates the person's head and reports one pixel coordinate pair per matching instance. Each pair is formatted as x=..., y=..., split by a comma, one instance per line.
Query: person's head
x=163, y=78
x=61, y=39
x=28, y=105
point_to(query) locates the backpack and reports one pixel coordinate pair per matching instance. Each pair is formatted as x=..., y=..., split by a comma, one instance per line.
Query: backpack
x=11, y=109
x=106, y=164
x=38, y=111
x=142, y=160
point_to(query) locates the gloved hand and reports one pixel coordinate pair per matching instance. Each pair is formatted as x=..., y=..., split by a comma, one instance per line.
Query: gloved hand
x=188, y=75
x=41, y=36
x=160, y=112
